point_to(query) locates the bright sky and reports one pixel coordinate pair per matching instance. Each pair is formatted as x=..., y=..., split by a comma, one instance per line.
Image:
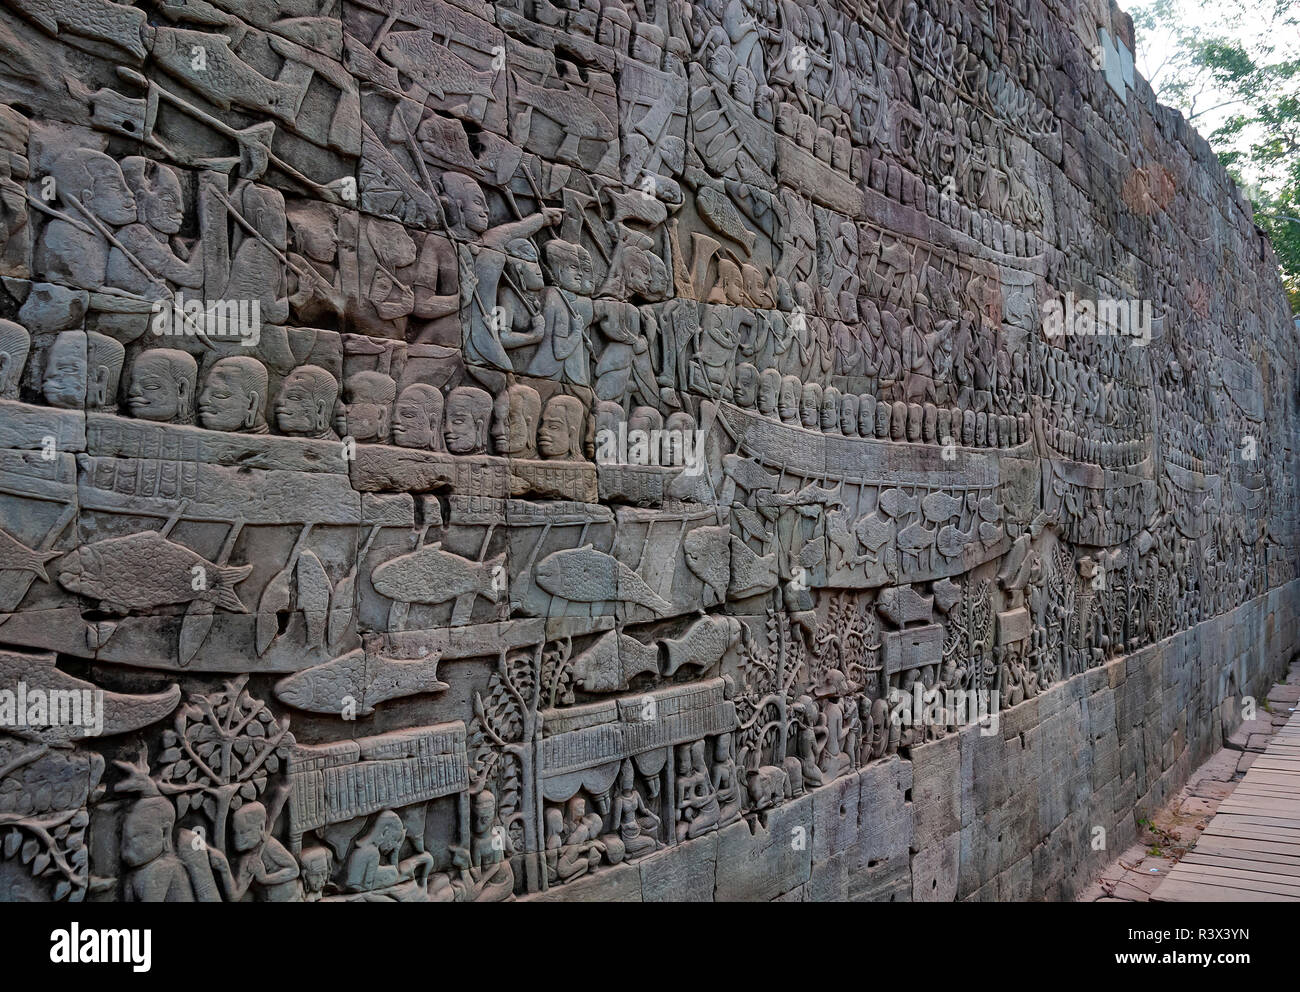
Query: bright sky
x=1248, y=21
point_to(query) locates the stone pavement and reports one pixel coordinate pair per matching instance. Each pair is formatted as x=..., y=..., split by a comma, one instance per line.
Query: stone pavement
x=1176, y=829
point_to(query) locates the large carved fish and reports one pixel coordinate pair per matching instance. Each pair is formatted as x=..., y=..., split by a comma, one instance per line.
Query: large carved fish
x=751, y=573
x=952, y=540
x=120, y=712
x=748, y=473
x=431, y=575
x=141, y=571
x=16, y=556
x=708, y=556
x=612, y=662
x=434, y=66
x=703, y=645
x=577, y=116
x=101, y=20
x=721, y=214
x=585, y=575
x=366, y=680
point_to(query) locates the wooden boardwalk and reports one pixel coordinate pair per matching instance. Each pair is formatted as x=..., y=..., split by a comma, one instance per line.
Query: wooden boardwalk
x=1250, y=852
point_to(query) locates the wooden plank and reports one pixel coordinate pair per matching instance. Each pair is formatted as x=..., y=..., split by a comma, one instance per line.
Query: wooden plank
x=1243, y=864
x=1247, y=881
x=1181, y=890
x=1259, y=820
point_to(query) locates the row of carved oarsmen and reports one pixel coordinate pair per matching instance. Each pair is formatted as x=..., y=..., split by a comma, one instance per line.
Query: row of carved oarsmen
x=83, y=369
x=827, y=409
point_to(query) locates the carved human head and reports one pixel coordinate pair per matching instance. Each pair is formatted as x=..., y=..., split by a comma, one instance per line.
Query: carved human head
x=515, y=416
x=233, y=397
x=95, y=180
x=305, y=405
x=469, y=410
x=810, y=405
x=147, y=830
x=162, y=386
x=769, y=389
x=367, y=406
x=465, y=205
x=159, y=198
x=849, y=415
x=560, y=433
x=82, y=369
x=789, y=398
x=417, y=418
x=830, y=410
x=570, y=266
x=746, y=394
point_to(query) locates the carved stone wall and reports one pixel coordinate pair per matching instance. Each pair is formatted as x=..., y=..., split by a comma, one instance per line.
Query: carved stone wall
x=463, y=451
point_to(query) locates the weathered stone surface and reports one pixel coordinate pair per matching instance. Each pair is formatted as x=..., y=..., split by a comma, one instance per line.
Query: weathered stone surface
x=619, y=451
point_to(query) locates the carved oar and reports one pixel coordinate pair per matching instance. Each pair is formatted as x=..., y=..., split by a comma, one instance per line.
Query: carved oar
x=342, y=605
x=202, y=612
x=275, y=597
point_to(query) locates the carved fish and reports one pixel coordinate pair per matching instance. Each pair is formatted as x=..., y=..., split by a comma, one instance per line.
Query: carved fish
x=990, y=509
x=940, y=506
x=102, y=20
x=748, y=473
x=433, y=66
x=16, y=556
x=990, y=533
x=431, y=575
x=121, y=712
x=897, y=503
x=951, y=540
x=703, y=645
x=585, y=575
x=721, y=214
x=915, y=537
x=751, y=574
x=612, y=662
x=366, y=680
x=574, y=113
x=141, y=571
x=874, y=531
x=708, y=557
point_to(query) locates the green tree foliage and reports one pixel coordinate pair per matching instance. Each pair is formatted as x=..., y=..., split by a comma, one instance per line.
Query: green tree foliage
x=1233, y=68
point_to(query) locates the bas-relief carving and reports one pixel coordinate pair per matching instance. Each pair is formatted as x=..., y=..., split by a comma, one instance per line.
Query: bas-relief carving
x=637, y=396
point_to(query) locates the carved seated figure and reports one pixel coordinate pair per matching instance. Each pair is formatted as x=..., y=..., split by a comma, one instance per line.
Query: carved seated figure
x=234, y=395
x=417, y=418
x=560, y=435
x=82, y=370
x=636, y=827
x=376, y=864
x=162, y=386
x=317, y=866
x=73, y=250
x=490, y=878
x=149, y=243
x=305, y=405
x=367, y=407
x=515, y=416
x=697, y=803
x=15, y=343
x=726, y=783
x=580, y=849
x=261, y=863
x=468, y=411
x=155, y=873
